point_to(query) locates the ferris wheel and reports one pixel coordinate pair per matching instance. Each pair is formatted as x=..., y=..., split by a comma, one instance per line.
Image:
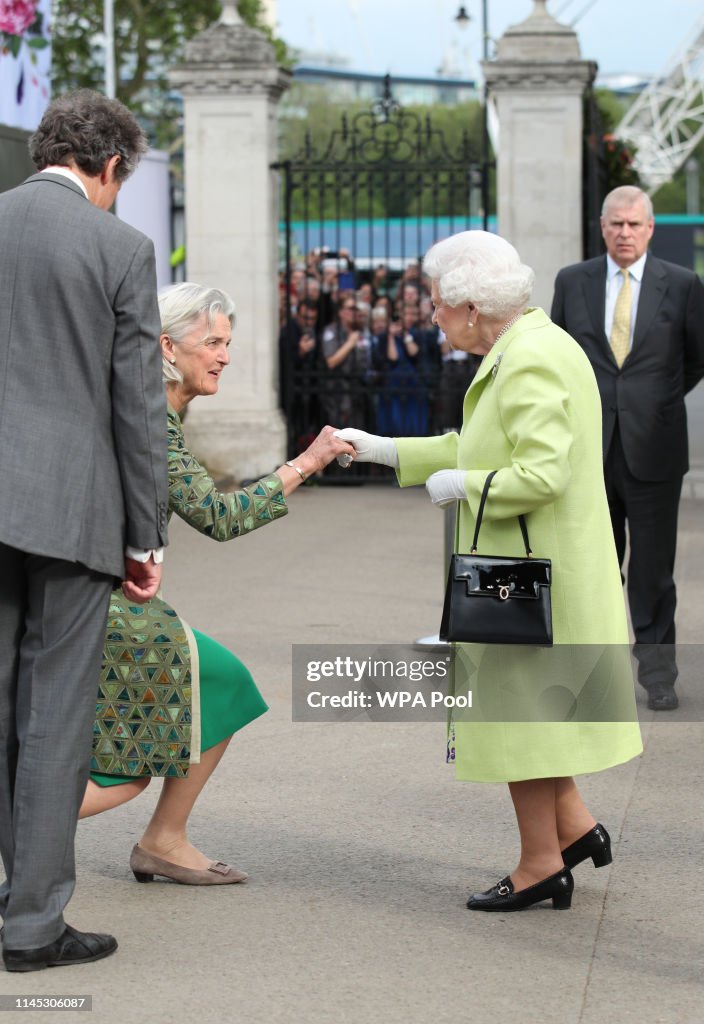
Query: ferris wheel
x=666, y=121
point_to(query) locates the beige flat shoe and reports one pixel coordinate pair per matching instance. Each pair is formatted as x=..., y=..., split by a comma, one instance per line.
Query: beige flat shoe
x=145, y=865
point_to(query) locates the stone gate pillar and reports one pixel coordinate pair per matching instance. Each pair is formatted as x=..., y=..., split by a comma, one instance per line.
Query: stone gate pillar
x=537, y=82
x=231, y=85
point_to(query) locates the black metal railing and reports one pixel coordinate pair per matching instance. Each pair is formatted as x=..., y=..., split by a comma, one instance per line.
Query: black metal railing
x=377, y=192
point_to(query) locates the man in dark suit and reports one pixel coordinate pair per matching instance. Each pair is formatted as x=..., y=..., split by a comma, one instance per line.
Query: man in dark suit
x=640, y=321
x=83, y=493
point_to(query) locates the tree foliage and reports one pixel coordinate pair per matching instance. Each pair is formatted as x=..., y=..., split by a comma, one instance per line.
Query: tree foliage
x=614, y=158
x=670, y=197
x=149, y=38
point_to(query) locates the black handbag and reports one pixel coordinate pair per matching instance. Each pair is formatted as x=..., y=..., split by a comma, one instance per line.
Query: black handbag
x=496, y=599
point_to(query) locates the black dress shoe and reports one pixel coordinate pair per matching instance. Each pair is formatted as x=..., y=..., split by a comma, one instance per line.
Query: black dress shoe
x=663, y=698
x=596, y=843
x=557, y=887
x=72, y=947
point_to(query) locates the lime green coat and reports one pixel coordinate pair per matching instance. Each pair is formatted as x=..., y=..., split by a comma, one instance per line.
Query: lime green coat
x=533, y=412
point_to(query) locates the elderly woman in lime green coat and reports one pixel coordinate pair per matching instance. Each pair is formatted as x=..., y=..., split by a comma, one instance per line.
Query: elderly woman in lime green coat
x=533, y=413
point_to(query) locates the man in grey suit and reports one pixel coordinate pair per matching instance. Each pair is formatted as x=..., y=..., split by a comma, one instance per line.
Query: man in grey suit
x=640, y=321
x=83, y=493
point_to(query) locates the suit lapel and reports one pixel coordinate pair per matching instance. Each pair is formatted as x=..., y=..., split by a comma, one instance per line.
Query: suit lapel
x=652, y=291
x=594, y=287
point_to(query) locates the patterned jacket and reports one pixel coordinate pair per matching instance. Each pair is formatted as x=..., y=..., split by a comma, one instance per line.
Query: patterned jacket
x=147, y=717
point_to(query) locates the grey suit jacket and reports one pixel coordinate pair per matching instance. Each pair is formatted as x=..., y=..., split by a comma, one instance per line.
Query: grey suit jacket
x=82, y=409
x=645, y=396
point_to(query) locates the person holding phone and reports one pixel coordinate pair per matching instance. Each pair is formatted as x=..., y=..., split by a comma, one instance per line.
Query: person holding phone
x=347, y=360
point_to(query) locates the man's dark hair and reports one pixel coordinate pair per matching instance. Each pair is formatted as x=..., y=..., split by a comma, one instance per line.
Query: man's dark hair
x=310, y=304
x=88, y=128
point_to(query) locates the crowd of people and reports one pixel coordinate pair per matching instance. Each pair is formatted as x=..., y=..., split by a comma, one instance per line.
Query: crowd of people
x=361, y=347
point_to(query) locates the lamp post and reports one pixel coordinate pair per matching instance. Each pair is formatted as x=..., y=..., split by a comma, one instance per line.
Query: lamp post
x=109, y=33
x=463, y=18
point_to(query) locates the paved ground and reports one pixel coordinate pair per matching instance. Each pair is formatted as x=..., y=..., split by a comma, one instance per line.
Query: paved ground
x=362, y=848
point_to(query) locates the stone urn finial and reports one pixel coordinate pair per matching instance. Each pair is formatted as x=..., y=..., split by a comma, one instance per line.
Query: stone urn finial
x=229, y=55
x=229, y=43
x=229, y=14
x=539, y=37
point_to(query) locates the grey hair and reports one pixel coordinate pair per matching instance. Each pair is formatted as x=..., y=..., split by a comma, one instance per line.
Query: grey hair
x=482, y=268
x=88, y=128
x=181, y=305
x=627, y=195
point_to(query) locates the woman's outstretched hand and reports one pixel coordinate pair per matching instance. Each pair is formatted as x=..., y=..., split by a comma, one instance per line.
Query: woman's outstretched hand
x=370, y=447
x=314, y=459
x=326, y=446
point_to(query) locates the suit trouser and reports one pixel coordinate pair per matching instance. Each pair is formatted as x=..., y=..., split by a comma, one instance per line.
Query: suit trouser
x=52, y=631
x=651, y=509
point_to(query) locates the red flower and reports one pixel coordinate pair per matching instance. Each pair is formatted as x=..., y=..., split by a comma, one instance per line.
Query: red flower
x=16, y=16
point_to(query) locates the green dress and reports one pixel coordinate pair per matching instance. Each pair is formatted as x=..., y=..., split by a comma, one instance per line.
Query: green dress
x=533, y=413
x=167, y=692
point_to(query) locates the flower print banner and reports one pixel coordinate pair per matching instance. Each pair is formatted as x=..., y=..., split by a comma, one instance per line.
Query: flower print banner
x=25, y=61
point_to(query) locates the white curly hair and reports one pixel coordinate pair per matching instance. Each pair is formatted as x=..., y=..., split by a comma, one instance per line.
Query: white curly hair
x=482, y=268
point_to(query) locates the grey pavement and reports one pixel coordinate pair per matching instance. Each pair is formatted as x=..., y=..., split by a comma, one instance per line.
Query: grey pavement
x=361, y=847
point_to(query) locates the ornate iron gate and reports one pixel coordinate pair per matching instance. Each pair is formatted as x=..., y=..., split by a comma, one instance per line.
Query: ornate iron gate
x=385, y=186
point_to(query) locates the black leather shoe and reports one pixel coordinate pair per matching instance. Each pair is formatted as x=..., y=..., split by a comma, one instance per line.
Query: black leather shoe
x=501, y=897
x=596, y=843
x=73, y=947
x=663, y=698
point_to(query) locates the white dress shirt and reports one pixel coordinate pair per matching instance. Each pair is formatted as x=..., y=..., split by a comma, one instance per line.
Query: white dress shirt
x=66, y=172
x=614, y=283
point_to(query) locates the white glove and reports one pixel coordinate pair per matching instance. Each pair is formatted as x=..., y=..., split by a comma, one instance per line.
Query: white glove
x=446, y=486
x=370, y=447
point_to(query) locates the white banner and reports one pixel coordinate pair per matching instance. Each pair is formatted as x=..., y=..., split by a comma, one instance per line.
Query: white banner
x=25, y=61
x=145, y=203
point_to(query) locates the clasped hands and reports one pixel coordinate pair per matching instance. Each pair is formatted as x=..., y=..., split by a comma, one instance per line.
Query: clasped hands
x=444, y=487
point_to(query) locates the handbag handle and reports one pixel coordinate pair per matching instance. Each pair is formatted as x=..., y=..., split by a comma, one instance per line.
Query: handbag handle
x=480, y=513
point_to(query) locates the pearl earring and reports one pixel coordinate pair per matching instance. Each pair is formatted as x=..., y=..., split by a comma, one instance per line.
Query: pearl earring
x=172, y=361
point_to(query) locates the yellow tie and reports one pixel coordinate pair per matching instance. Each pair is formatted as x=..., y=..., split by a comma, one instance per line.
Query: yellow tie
x=620, y=339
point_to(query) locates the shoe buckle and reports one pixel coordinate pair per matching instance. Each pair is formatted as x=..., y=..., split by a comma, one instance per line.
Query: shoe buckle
x=503, y=889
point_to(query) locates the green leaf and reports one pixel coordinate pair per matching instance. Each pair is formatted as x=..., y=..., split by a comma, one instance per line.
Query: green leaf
x=149, y=37
x=37, y=43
